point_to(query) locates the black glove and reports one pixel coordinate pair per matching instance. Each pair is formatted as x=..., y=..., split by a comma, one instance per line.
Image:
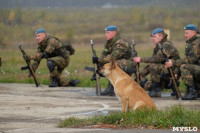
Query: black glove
x=26, y=57
x=94, y=60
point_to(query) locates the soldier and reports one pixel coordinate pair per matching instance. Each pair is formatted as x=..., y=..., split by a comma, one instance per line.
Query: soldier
x=117, y=48
x=190, y=69
x=156, y=67
x=57, y=56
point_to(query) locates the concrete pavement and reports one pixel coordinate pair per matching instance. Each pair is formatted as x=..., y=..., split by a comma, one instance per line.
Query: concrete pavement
x=27, y=109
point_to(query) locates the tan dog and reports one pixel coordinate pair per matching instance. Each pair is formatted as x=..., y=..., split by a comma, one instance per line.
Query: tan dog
x=131, y=94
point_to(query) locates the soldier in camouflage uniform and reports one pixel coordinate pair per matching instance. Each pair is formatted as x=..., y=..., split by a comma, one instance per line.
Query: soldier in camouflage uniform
x=117, y=48
x=156, y=67
x=57, y=56
x=190, y=65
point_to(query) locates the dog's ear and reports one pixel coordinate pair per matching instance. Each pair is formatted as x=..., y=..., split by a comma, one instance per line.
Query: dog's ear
x=113, y=60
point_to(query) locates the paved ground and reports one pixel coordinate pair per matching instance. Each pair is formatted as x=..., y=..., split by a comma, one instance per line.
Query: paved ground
x=27, y=109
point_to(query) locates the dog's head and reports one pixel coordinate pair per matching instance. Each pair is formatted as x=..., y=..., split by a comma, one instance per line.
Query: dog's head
x=108, y=67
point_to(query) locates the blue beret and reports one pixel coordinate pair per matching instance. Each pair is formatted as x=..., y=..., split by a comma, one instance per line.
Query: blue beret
x=40, y=30
x=157, y=30
x=111, y=28
x=191, y=27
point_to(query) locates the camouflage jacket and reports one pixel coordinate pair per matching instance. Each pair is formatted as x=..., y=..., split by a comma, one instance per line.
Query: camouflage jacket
x=170, y=51
x=52, y=47
x=192, y=52
x=116, y=48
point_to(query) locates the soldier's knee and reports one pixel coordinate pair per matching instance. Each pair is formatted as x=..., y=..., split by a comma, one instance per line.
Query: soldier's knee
x=50, y=65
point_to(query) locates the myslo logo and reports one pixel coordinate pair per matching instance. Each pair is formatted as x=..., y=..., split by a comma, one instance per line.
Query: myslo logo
x=185, y=129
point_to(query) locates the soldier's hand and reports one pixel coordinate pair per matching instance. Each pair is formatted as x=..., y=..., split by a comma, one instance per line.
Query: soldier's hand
x=176, y=76
x=168, y=64
x=136, y=60
x=26, y=57
x=95, y=60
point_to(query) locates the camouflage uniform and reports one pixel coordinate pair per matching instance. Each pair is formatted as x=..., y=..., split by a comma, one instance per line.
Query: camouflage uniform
x=56, y=53
x=121, y=50
x=189, y=66
x=156, y=68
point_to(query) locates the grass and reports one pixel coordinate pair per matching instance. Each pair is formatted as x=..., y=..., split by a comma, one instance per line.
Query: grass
x=176, y=116
x=12, y=61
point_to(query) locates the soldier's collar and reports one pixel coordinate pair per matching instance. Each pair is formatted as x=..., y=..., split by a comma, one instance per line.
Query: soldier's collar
x=117, y=37
x=164, y=39
x=45, y=39
x=192, y=39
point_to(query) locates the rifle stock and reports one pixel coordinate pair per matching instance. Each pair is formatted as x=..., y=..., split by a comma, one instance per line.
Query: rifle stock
x=98, y=88
x=178, y=94
x=29, y=67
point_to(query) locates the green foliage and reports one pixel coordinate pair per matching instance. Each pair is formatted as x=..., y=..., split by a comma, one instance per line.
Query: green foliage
x=72, y=122
x=79, y=25
x=75, y=23
x=176, y=116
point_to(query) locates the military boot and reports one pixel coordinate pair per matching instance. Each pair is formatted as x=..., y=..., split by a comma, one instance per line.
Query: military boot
x=155, y=90
x=198, y=94
x=74, y=82
x=191, y=95
x=108, y=91
x=55, y=82
x=173, y=92
x=171, y=85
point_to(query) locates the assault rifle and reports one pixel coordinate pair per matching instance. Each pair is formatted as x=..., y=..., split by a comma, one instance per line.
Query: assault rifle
x=178, y=94
x=98, y=88
x=137, y=65
x=29, y=67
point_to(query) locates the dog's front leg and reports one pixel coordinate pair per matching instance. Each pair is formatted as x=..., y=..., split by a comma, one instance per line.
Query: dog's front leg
x=124, y=104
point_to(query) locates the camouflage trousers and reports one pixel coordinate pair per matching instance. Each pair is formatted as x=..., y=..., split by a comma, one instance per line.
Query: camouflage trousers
x=60, y=65
x=189, y=73
x=155, y=71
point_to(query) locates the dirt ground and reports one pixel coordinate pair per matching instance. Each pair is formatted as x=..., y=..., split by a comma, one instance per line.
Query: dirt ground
x=24, y=106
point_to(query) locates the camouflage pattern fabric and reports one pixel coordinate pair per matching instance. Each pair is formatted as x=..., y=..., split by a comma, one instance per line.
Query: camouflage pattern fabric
x=190, y=65
x=155, y=71
x=54, y=48
x=156, y=65
x=119, y=49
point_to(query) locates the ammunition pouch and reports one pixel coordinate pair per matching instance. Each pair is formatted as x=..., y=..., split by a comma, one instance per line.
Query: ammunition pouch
x=69, y=48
